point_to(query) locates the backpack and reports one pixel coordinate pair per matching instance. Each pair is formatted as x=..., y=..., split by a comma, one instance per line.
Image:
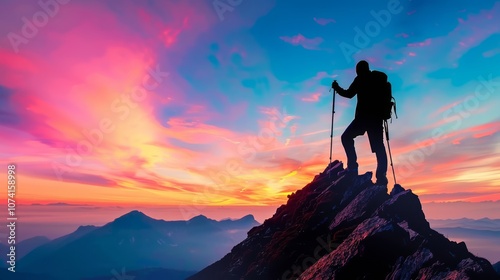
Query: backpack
x=387, y=101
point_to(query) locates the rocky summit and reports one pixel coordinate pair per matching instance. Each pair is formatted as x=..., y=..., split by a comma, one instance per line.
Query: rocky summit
x=348, y=228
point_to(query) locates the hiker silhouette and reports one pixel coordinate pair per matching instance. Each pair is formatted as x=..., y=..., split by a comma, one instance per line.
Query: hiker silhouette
x=368, y=118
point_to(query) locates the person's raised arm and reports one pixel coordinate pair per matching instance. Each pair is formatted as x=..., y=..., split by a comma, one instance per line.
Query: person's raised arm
x=348, y=93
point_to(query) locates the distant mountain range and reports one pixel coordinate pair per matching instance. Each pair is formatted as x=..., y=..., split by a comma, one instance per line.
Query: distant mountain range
x=22, y=248
x=145, y=274
x=481, y=236
x=480, y=224
x=142, y=245
x=3, y=252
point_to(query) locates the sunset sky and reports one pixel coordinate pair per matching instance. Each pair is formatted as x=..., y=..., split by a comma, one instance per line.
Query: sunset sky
x=196, y=102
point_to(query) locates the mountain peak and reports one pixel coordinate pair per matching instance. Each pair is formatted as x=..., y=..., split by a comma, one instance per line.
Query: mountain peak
x=133, y=219
x=135, y=213
x=336, y=225
x=86, y=228
x=248, y=217
x=199, y=218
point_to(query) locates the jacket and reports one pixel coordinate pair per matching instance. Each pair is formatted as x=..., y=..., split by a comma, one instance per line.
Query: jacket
x=369, y=98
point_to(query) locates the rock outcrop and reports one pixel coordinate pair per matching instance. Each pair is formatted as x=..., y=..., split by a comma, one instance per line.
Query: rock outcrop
x=348, y=228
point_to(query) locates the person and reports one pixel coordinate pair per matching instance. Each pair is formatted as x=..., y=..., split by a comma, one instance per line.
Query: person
x=367, y=119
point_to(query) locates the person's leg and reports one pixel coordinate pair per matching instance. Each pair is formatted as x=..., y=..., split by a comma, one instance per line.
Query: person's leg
x=376, y=137
x=356, y=128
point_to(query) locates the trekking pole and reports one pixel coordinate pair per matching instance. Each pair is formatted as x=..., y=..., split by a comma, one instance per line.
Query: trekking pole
x=333, y=113
x=386, y=127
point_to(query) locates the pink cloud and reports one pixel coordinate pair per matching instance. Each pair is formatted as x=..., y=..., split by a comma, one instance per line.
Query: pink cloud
x=470, y=32
x=310, y=44
x=312, y=98
x=457, y=141
x=169, y=36
x=67, y=81
x=274, y=112
x=491, y=53
x=195, y=132
x=425, y=43
x=324, y=21
x=401, y=62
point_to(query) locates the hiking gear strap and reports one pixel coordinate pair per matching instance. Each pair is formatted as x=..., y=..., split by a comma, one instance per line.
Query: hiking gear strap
x=386, y=127
x=395, y=112
x=393, y=101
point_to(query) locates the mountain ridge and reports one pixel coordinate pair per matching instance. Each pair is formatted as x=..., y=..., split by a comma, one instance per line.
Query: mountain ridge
x=347, y=228
x=137, y=242
x=496, y=266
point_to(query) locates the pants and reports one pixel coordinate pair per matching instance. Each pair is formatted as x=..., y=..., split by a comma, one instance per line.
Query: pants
x=375, y=131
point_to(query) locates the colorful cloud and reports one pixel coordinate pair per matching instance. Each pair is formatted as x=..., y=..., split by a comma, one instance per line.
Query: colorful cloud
x=162, y=103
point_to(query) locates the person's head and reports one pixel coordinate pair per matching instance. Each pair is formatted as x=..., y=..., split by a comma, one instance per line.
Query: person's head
x=362, y=68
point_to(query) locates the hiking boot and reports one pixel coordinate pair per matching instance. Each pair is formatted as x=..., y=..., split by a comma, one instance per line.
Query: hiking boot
x=348, y=172
x=397, y=189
